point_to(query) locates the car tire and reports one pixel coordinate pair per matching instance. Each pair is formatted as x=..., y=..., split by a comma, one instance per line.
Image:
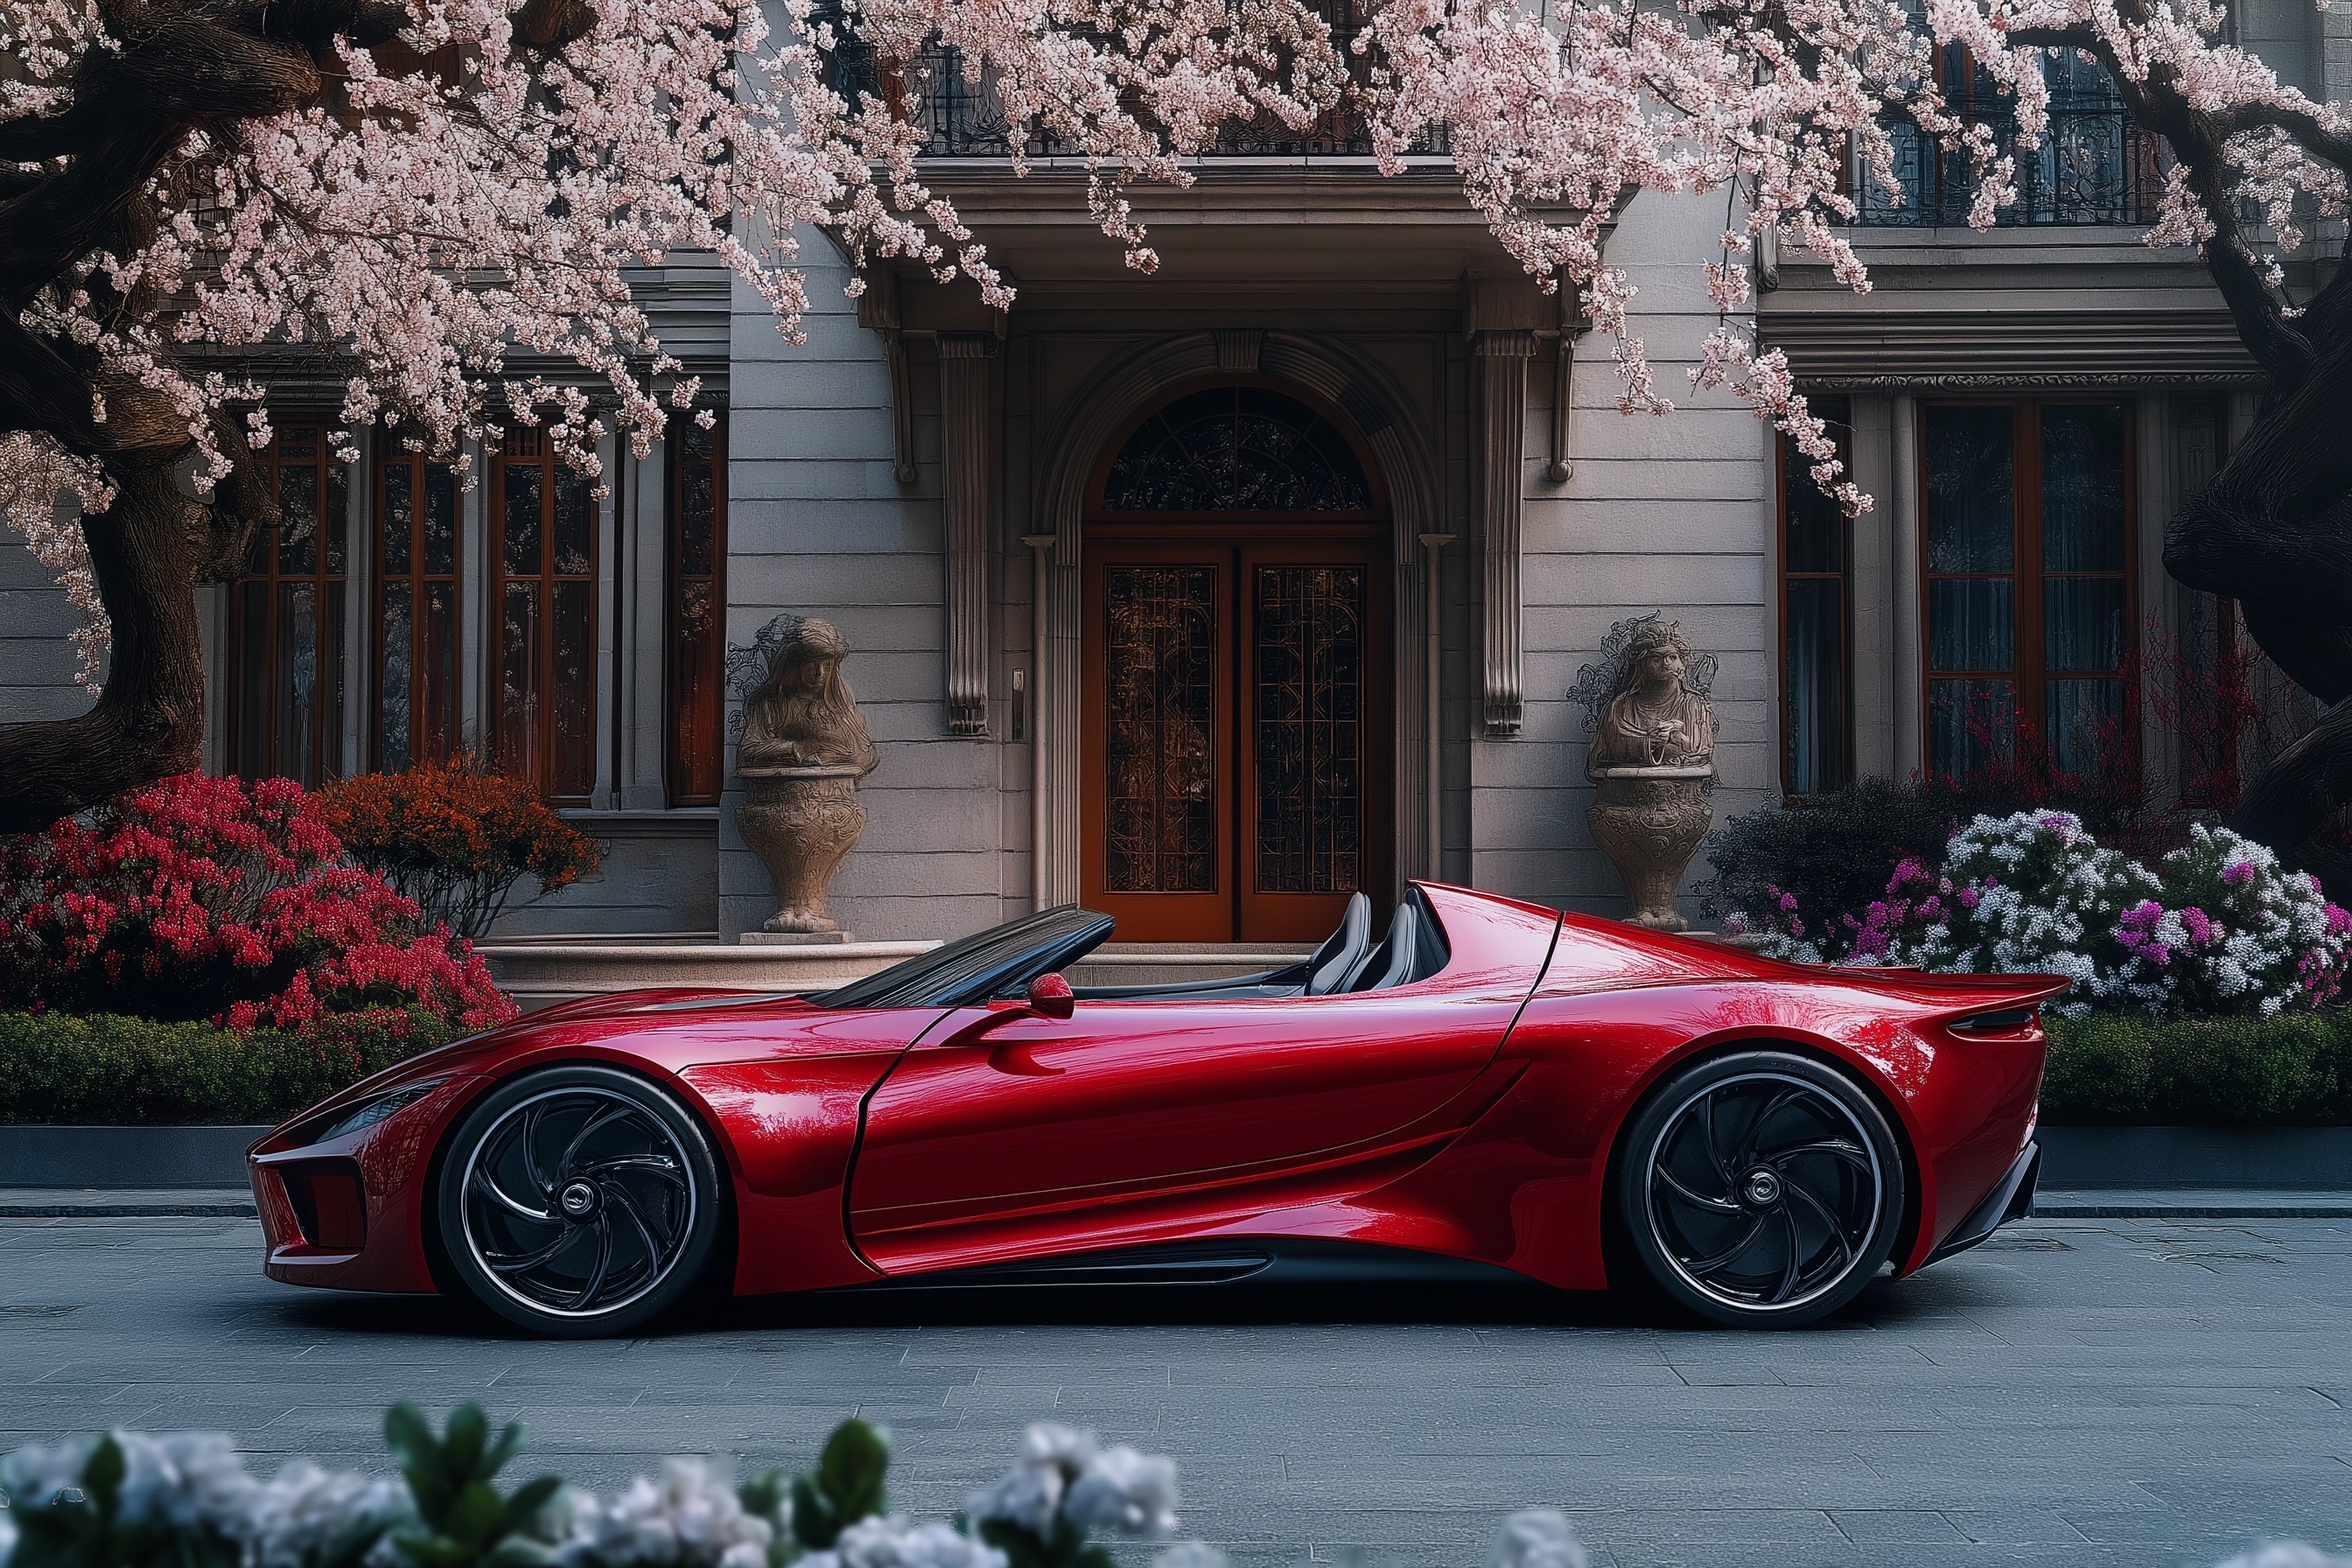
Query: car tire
x=1761, y=1189
x=579, y=1201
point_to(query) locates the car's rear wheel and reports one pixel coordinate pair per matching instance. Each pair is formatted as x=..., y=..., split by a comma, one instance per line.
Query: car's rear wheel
x=579, y=1201
x=1761, y=1189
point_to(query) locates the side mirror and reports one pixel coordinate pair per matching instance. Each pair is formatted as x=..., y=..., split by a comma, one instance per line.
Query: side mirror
x=1050, y=997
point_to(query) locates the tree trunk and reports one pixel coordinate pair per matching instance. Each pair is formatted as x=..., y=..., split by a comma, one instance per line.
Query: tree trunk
x=148, y=720
x=2295, y=801
x=2274, y=531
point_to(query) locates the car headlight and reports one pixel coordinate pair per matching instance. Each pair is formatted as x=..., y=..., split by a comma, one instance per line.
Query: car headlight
x=382, y=1106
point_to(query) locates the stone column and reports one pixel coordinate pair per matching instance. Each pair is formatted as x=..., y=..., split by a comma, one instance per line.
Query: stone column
x=968, y=409
x=1433, y=759
x=1502, y=357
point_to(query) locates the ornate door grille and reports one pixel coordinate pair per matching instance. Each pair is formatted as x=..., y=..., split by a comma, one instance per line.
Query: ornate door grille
x=1159, y=730
x=1309, y=721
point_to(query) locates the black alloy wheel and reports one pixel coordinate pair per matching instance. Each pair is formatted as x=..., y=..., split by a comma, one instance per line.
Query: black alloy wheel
x=579, y=1201
x=1761, y=1190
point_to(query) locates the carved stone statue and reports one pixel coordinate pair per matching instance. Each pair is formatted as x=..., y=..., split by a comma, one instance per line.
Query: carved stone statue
x=803, y=750
x=1651, y=760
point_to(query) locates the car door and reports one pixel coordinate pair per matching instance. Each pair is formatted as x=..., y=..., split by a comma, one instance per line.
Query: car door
x=1017, y=1133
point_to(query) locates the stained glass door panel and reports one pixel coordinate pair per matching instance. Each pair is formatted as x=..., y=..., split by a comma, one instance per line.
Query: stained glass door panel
x=1315, y=705
x=1159, y=742
x=1235, y=735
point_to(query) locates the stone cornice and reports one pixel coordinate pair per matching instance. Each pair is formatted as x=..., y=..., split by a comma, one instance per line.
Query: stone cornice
x=2049, y=380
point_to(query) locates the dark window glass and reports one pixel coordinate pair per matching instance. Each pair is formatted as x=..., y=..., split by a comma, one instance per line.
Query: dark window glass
x=545, y=723
x=2029, y=595
x=1816, y=742
x=696, y=610
x=285, y=623
x=1971, y=503
x=415, y=610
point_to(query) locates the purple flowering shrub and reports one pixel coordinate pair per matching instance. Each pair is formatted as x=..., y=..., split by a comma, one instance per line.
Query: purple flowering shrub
x=2231, y=932
x=2220, y=929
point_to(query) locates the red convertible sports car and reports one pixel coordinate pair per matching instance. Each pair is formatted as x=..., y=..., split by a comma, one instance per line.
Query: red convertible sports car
x=1491, y=1092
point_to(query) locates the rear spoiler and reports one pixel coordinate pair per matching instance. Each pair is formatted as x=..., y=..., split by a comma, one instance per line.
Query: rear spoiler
x=1978, y=1004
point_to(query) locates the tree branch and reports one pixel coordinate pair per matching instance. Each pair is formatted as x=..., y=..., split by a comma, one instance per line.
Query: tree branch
x=41, y=391
x=2158, y=103
x=2302, y=124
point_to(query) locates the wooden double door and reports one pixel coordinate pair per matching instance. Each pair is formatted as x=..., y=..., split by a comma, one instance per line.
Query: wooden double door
x=1236, y=727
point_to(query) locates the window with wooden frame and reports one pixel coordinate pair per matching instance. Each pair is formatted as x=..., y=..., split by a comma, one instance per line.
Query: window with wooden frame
x=1816, y=618
x=696, y=610
x=286, y=617
x=2027, y=594
x=2211, y=702
x=543, y=601
x=418, y=549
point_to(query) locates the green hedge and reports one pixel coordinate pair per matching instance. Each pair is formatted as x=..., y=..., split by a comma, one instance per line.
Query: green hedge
x=2113, y=1068
x=113, y=1068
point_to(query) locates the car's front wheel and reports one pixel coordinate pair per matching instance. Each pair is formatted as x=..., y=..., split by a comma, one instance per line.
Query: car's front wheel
x=1761, y=1189
x=579, y=1201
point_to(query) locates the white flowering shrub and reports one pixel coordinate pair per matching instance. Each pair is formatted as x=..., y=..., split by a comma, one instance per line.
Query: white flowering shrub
x=185, y=1500
x=2230, y=931
x=2034, y=894
x=2220, y=929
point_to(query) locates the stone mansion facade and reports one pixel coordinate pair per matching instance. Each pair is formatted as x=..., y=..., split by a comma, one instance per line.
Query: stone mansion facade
x=1209, y=596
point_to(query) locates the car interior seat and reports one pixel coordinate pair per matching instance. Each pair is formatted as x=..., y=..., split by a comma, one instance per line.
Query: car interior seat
x=1393, y=963
x=1344, y=954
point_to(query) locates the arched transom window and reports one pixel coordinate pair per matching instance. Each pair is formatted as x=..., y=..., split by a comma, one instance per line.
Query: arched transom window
x=1237, y=448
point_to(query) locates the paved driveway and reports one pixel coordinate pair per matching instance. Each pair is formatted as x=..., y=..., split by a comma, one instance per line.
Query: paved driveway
x=2117, y=1391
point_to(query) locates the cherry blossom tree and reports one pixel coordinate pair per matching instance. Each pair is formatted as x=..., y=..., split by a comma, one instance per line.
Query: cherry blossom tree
x=416, y=190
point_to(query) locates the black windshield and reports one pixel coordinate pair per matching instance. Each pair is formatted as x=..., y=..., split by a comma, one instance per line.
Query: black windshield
x=984, y=964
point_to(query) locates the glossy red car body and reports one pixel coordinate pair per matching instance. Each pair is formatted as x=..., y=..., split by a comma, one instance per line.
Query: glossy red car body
x=1469, y=1116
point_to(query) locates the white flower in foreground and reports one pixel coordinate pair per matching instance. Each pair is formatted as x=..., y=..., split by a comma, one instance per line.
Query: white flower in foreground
x=691, y=1516
x=2288, y=1555
x=7, y=1535
x=1120, y=1490
x=1030, y=1495
x=1537, y=1538
x=37, y=1476
x=300, y=1511
x=894, y=1542
x=186, y=1480
x=1191, y=1554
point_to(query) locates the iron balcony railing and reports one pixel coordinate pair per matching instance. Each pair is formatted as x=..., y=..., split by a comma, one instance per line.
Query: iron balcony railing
x=2093, y=165
x=964, y=119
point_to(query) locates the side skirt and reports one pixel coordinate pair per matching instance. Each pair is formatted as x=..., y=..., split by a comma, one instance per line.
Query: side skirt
x=1257, y=1260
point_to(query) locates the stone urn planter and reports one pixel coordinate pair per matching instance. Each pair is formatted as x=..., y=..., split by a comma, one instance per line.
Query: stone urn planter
x=1651, y=760
x=802, y=823
x=1650, y=822
x=804, y=747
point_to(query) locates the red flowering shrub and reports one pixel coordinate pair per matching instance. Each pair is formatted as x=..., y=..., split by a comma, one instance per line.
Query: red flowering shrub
x=195, y=899
x=456, y=838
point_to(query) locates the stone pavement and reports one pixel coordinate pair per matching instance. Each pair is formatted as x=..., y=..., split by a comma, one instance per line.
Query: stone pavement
x=2131, y=1392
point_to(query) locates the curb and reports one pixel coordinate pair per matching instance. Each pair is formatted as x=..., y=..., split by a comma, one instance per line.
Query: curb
x=129, y=1211
x=56, y=1157
x=2059, y=1208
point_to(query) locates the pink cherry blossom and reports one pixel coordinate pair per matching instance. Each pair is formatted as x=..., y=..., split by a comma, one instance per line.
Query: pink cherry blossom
x=435, y=230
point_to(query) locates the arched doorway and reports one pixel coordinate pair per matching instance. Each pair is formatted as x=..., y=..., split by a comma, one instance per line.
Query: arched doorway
x=1235, y=703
